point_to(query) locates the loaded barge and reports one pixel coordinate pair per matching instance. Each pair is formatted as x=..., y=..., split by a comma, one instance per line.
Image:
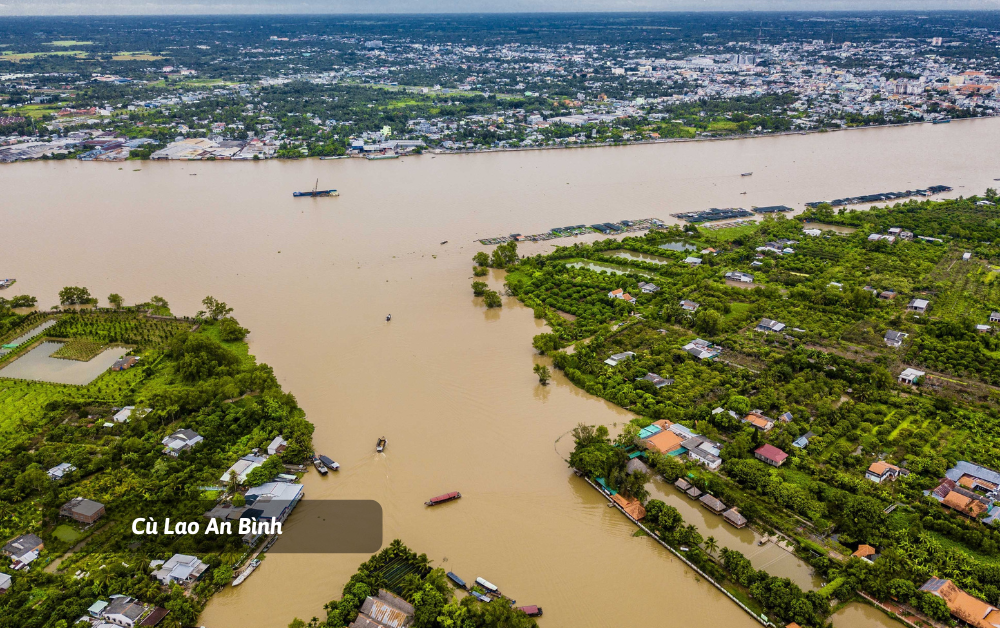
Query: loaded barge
x=316, y=192
x=441, y=499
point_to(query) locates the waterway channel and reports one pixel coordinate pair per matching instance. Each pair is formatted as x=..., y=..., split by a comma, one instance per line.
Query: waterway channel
x=447, y=382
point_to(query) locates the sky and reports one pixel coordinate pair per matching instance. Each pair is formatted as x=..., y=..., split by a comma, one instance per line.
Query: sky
x=193, y=7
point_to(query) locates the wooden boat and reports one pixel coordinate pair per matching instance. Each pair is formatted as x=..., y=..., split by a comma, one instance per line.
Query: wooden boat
x=320, y=466
x=317, y=192
x=246, y=572
x=488, y=586
x=480, y=597
x=380, y=445
x=329, y=464
x=445, y=242
x=441, y=499
x=746, y=174
x=531, y=611
x=458, y=581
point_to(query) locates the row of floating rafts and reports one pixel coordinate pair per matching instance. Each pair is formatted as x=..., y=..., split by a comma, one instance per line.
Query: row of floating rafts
x=492, y=592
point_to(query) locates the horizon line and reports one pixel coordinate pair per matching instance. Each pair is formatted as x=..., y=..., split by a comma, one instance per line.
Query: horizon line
x=519, y=12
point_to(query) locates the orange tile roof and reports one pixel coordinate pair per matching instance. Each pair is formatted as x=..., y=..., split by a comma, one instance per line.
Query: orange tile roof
x=879, y=468
x=963, y=504
x=967, y=608
x=863, y=551
x=662, y=424
x=630, y=505
x=665, y=441
x=758, y=421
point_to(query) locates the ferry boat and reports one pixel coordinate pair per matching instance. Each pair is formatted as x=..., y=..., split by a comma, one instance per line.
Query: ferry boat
x=441, y=499
x=380, y=444
x=531, y=611
x=320, y=466
x=317, y=192
x=329, y=464
x=458, y=581
x=246, y=572
x=489, y=586
x=746, y=174
x=480, y=597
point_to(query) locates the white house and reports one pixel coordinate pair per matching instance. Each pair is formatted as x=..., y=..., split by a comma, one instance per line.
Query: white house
x=242, y=468
x=918, y=305
x=277, y=446
x=123, y=415
x=5, y=582
x=619, y=357
x=124, y=611
x=179, y=441
x=894, y=338
x=60, y=470
x=910, y=376
x=766, y=324
x=180, y=568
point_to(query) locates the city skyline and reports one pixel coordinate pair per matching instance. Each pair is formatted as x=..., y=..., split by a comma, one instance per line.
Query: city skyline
x=209, y=7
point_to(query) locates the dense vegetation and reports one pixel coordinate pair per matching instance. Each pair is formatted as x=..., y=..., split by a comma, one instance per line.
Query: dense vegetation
x=186, y=379
x=829, y=368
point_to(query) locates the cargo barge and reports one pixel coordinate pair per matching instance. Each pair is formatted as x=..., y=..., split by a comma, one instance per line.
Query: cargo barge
x=316, y=192
x=443, y=499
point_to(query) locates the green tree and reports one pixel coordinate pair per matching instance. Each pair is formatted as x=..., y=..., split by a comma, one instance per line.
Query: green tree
x=711, y=545
x=230, y=330
x=481, y=259
x=543, y=374
x=116, y=300
x=75, y=295
x=479, y=288
x=215, y=308
x=492, y=299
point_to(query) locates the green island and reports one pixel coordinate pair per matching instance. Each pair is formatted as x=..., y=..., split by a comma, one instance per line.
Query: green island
x=149, y=436
x=399, y=582
x=828, y=379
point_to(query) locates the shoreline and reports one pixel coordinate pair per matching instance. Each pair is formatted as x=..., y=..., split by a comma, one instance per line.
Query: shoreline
x=513, y=149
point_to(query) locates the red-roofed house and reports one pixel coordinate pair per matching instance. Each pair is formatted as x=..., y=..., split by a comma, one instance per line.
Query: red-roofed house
x=770, y=454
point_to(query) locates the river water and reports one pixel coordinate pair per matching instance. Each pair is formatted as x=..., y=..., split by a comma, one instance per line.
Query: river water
x=447, y=382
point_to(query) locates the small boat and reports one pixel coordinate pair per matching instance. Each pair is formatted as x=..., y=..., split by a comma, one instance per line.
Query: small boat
x=246, y=572
x=388, y=317
x=320, y=466
x=742, y=192
x=441, y=499
x=746, y=174
x=445, y=242
x=378, y=157
x=480, y=597
x=945, y=121
x=380, y=445
x=489, y=586
x=458, y=581
x=6, y=283
x=329, y=464
x=317, y=192
x=531, y=611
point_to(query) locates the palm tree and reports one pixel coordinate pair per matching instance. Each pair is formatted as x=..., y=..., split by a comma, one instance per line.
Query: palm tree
x=711, y=546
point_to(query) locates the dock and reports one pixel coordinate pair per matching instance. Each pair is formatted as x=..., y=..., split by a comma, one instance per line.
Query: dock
x=607, y=228
x=714, y=214
x=883, y=196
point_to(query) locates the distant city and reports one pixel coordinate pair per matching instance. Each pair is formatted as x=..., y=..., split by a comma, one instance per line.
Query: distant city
x=159, y=88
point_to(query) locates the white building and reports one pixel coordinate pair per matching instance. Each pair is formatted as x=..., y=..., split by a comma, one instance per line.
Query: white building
x=180, y=568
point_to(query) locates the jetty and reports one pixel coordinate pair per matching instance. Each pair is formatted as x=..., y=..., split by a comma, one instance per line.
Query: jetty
x=607, y=228
x=883, y=196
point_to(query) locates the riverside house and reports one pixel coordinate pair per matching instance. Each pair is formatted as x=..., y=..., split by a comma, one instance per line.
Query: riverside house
x=770, y=454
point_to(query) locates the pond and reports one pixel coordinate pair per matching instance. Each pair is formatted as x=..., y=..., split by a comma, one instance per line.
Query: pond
x=611, y=268
x=678, y=245
x=38, y=365
x=858, y=615
x=20, y=340
x=822, y=226
x=642, y=257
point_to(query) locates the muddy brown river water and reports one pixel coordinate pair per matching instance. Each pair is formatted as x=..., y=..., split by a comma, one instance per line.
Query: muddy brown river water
x=447, y=382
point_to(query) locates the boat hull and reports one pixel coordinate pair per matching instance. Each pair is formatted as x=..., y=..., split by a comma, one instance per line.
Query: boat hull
x=317, y=193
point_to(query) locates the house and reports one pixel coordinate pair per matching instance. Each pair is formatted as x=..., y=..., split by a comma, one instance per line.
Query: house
x=648, y=288
x=692, y=261
x=59, y=471
x=616, y=293
x=759, y=421
x=966, y=502
x=712, y=503
x=803, y=441
x=733, y=517
x=918, y=305
x=866, y=552
x=242, y=468
x=384, y=610
x=786, y=417
x=5, y=582
x=689, y=306
x=887, y=295
x=770, y=454
x=664, y=442
x=966, y=608
x=812, y=232
x=628, y=298
x=179, y=441
x=704, y=451
x=637, y=466
x=619, y=357
x=123, y=415
x=983, y=329
x=995, y=317
x=966, y=256
x=124, y=611
x=694, y=492
x=894, y=338
x=735, y=275
x=632, y=506
x=881, y=471
x=656, y=380
x=23, y=550
x=124, y=363
x=910, y=376
x=86, y=511
x=272, y=499
x=702, y=349
x=180, y=568
x=97, y=609
x=767, y=324
x=277, y=446
x=682, y=484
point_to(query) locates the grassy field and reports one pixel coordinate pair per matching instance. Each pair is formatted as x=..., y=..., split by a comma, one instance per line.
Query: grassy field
x=80, y=349
x=69, y=42
x=67, y=534
x=22, y=56
x=135, y=56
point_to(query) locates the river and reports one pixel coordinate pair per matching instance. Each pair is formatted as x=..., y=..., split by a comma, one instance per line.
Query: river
x=447, y=382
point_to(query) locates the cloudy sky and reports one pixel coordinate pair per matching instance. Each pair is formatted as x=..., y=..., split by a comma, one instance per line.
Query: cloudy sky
x=159, y=7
